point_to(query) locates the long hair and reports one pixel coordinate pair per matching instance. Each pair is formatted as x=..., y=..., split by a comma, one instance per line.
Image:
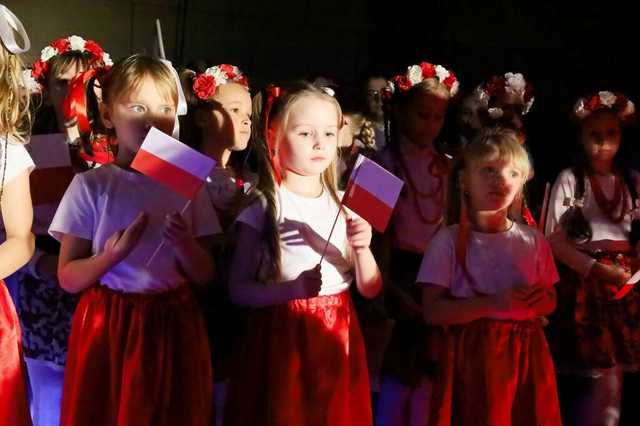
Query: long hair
x=277, y=117
x=15, y=116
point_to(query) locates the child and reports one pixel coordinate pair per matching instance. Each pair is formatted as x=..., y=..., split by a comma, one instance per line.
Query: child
x=138, y=351
x=17, y=214
x=593, y=231
x=219, y=125
x=45, y=310
x=489, y=278
x=416, y=113
x=303, y=361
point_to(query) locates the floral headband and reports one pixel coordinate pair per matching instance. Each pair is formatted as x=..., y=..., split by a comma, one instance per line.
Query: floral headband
x=98, y=59
x=418, y=73
x=511, y=84
x=206, y=84
x=601, y=100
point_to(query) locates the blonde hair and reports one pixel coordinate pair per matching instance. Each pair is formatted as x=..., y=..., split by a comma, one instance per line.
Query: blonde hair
x=128, y=74
x=488, y=143
x=15, y=116
x=277, y=117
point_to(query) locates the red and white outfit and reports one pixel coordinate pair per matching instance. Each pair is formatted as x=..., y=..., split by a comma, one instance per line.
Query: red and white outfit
x=14, y=405
x=303, y=362
x=494, y=371
x=138, y=351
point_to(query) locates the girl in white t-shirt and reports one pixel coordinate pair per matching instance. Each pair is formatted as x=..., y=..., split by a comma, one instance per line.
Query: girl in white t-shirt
x=489, y=278
x=593, y=229
x=138, y=351
x=17, y=213
x=303, y=359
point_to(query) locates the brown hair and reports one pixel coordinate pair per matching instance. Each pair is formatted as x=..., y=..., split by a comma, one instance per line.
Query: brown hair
x=15, y=117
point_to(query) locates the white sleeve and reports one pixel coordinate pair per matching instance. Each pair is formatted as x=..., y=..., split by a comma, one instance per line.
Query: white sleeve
x=18, y=160
x=438, y=263
x=76, y=213
x=255, y=214
x=562, y=195
x=547, y=272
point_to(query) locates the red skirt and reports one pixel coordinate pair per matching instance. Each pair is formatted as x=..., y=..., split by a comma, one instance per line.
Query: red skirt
x=303, y=363
x=495, y=373
x=14, y=406
x=137, y=359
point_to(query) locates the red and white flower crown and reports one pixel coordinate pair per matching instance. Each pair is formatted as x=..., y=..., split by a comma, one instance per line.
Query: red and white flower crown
x=418, y=73
x=511, y=84
x=206, y=84
x=99, y=58
x=601, y=100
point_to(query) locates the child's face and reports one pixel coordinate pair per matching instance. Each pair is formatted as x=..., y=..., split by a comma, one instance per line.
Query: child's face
x=132, y=114
x=374, y=97
x=468, y=115
x=310, y=139
x=600, y=135
x=492, y=183
x=422, y=120
x=230, y=120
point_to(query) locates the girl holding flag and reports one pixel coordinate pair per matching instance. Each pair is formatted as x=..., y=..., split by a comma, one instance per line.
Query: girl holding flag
x=138, y=351
x=303, y=360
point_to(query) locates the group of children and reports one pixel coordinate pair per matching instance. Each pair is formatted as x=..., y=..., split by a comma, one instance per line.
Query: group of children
x=245, y=316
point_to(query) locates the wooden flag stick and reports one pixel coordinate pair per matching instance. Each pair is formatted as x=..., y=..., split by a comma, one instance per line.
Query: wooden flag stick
x=545, y=207
x=184, y=209
x=160, y=40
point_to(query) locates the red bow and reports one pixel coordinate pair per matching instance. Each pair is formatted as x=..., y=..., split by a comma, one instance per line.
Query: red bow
x=272, y=92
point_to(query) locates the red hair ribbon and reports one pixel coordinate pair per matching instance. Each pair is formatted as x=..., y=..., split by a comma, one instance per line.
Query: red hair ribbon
x=273, y=92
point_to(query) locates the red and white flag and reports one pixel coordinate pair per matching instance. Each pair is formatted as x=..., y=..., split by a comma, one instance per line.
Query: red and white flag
x=53, y=172
x=172, y=163
x=372, y=192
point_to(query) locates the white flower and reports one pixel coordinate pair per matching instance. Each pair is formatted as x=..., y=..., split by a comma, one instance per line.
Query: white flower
x=629, y=109
x=607, y=98
x=414, y=73
x=29, y=82
x=441, y=73
x=77, y=43
x=528, y=106
x=48, y=53
x=106, y=59
x=454, y=88
x=495, y=112
x=579, y=110
x=391, y=88
x=218, y=75
x=515, y=84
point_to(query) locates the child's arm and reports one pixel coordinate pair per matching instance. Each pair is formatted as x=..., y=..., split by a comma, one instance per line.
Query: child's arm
x=192, y=254
x=368, y=277
x=17, y=215
x=78, y=269
x=243, y=287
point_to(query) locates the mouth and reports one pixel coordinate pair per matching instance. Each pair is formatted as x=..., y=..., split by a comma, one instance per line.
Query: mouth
x=318, y=158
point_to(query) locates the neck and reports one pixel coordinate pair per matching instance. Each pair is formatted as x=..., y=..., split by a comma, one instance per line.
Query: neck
x=601, y=167
x=306, y=186
x=217, y=152
x=124, y=158
x=490, y=221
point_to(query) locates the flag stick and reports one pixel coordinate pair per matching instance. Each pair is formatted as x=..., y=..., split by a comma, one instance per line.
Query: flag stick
x=184, y=209
x=545, y=207
x=159, y=39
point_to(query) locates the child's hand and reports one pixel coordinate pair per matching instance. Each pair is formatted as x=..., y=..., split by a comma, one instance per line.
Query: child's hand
x=308, y=283
x=358, y=234
x=515, y=299
x=122, y=242
x=610, y=273
x=176, y=230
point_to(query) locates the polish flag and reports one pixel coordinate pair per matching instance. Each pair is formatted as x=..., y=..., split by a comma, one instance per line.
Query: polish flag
x=53, y=172
x=172, y=163
x=372, y=192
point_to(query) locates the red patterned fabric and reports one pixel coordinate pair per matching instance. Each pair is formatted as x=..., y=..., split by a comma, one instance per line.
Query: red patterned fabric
x=14, y=407
x=495, y=373
x=137, y=359
x=302, y=364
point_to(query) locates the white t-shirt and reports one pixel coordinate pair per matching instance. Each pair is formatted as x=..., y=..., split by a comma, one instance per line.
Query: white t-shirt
x=101, y=201
x=304, y=225
x=18, y=160
x=562, y=196
x=495, y=261
x=410, y=232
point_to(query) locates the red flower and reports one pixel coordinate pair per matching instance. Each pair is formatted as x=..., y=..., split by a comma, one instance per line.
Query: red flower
x=39, y=70
x=94, y=48
x=228, y=70
x=204, y=86
x=428, y=70
x=528, y=92
x=450, y=80
x=61, y=45
x=403, y=82
x=621, y=101
x=243, y=80
x=593, y=103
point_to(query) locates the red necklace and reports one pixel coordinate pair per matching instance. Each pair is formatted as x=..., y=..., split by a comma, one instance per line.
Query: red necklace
x=608, y=207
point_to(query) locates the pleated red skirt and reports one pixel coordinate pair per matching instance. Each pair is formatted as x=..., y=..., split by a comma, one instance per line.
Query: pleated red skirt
x=137, y=359
x=14, y=406
x=303, y=363
x=495, y=373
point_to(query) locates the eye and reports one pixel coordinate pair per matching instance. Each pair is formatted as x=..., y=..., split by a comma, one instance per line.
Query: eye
x=167, y=110
x=304, y=134
x=330, y=134
x=137, y=108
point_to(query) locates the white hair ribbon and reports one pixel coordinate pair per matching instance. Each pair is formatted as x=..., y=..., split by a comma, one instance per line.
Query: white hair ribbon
x=182, y=101
x=9, y=25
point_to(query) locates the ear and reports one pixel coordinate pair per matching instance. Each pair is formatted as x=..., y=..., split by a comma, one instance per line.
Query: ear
x=105, y=115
